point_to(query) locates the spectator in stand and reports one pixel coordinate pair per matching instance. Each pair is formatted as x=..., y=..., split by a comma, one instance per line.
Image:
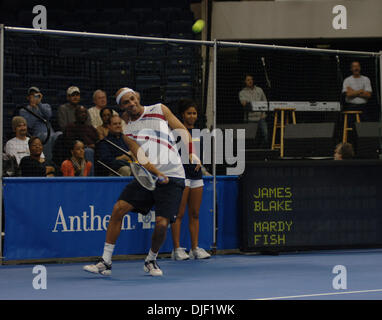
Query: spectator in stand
x=250, y=93
x=34, y=165
x=100, y=101
x=18, y=146
x=80, y=130
x=66, y=112
x=343, y=151
x=76, y=166
x=110, y=155
x=357, y=89
x=105, y=115
x=36, y=126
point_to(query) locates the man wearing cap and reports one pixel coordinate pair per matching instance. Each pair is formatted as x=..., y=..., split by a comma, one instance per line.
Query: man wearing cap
x=18, y=146
x=36, y=126
x=66, y=112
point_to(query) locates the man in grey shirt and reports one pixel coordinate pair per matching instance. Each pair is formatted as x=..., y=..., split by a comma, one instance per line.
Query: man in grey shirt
x=357, y=89
x=246, y=96
x=66, y=112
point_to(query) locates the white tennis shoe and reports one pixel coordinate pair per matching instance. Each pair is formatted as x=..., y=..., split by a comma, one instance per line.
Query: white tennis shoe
x=100, y=267
x=179, y=254
x=152, y=268
x=199, y=253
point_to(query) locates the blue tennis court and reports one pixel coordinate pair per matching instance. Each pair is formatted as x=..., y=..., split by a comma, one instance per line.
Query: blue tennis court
x=223, y=277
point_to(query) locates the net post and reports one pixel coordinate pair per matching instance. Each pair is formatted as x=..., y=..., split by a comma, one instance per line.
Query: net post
x=380, y=102
x=214, y=245
x=380, y=83
x=1, y=134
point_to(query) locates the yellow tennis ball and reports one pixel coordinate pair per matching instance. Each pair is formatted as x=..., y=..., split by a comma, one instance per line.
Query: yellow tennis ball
x=198, y=26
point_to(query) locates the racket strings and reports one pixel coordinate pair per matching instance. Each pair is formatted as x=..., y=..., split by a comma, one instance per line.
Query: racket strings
x=143, y=176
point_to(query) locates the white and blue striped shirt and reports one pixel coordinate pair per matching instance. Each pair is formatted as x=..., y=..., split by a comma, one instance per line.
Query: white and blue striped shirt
x=152, y=133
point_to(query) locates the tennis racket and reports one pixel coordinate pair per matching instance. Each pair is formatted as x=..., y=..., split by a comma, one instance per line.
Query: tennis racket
x=145, y=178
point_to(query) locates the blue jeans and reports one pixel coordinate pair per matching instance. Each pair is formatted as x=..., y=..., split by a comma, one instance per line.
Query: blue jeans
x=261, y=138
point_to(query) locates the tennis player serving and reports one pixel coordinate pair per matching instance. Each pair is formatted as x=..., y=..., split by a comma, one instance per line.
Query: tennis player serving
x=148, y=129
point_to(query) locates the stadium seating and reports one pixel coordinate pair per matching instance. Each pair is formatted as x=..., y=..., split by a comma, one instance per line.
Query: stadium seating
x=153, y=50
x=176, y=50
x=147, y=81
x=180, y=26
x=146, y=14
x=124, y=52
x=12, y=80
x=148, y=67
x=175, y=13
x=179, y=70
x=98, y=27
x=75, y=26
x=153, y=28
x=124, y=27
x=55, y=16
x=24, y=18
x=157, y=70
x=8, y=95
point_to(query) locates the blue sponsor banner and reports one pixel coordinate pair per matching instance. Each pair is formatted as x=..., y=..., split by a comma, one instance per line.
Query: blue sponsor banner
x=68, y=217
x=227, y=193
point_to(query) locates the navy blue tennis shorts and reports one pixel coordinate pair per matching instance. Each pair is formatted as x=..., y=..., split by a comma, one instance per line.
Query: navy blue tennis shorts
x=166, y=198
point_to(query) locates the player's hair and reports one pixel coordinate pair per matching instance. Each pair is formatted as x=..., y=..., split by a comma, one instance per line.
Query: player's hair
x=74, y=142
x=103, y=110
x=16, y=121
x=79, y=108
x=248, y=75
x=184, y=104
x=33, y=138
x=345, y=150
x=98, y=91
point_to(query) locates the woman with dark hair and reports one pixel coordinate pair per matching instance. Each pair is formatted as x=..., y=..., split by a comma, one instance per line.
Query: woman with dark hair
x=76, y=166
x=193, y=192
x=105, y=114
x=34, y=165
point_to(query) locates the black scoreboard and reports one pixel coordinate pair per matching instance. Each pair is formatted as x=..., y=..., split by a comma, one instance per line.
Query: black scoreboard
x=292, y=205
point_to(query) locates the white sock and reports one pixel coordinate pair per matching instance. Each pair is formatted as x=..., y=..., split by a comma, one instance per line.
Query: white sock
x=151, y=256
x=108, y=252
